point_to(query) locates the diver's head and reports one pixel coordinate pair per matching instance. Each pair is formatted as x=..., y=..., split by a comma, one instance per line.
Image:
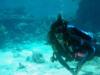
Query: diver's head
x=59, y=20
x=61, y=23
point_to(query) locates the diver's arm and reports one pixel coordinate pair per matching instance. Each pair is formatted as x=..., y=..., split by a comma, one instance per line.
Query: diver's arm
x=89, y=55
x=80, y=64
x=57, y=56
x=63, y=62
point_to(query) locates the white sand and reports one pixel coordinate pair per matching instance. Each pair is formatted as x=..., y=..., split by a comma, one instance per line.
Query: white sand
x=16, y=64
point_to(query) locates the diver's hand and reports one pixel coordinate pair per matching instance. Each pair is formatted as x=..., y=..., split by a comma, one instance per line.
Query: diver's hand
x=73, y=71
x=53, y=58
x=76, y=70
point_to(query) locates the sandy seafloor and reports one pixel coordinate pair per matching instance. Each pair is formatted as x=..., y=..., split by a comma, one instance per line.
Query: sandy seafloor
x=19, y=61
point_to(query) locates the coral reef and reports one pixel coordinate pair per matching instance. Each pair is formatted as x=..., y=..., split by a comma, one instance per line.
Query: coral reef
x=18, y=26
x=36, y=57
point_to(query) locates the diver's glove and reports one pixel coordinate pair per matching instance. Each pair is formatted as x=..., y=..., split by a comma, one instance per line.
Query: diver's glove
x=76, y=71
x=73, y=71
x=53, y=58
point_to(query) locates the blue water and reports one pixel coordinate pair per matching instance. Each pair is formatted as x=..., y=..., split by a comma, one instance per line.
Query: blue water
x=42, y=8
x=24, y=25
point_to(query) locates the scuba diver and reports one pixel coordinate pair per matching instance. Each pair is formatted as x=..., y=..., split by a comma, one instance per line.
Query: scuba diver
x=70, y=43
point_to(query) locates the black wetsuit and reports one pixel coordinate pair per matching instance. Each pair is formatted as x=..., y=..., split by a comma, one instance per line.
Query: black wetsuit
x=78, y=40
